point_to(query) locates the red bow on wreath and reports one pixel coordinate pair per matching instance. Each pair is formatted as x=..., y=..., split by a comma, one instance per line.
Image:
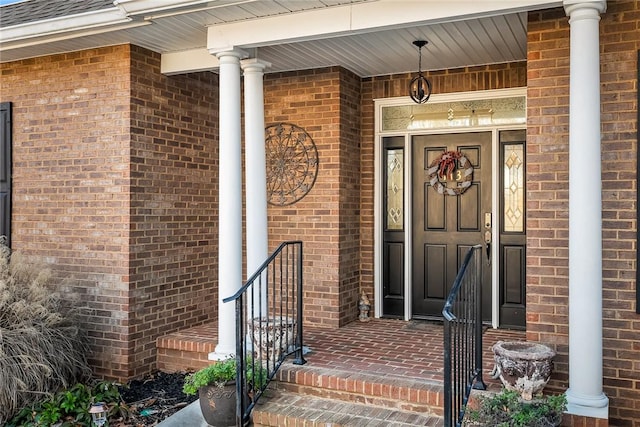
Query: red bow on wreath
x=448, y=162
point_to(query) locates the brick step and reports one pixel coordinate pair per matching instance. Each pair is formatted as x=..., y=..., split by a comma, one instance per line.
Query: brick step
x=281, y=408
x=405, y=394
x=186, y=350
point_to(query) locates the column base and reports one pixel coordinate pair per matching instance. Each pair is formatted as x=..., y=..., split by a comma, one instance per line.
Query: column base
x=587, y=406
x=222, y=353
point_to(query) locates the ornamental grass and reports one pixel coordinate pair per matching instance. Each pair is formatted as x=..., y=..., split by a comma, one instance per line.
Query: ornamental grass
x=42, y=348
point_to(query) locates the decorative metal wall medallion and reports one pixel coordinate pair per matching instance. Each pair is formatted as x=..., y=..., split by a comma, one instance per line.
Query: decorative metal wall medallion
x=292, y=163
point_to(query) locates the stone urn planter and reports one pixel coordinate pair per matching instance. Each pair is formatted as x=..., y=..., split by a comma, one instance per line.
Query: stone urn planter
x=523, y=366
x=272, y=336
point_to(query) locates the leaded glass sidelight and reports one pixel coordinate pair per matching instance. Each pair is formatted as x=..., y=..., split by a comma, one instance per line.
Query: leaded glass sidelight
x=513, y=187
x=394, y=190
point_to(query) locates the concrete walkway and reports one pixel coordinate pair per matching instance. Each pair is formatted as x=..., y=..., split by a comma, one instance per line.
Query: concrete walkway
x=190, y=416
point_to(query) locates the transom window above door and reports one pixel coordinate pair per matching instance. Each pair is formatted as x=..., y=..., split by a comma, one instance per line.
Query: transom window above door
x=455, y=114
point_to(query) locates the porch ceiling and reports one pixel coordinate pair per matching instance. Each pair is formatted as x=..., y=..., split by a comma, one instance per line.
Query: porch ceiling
x=458, y=37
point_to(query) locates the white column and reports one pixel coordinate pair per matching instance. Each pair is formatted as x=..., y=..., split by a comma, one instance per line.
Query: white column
x=230, y=201
x=585, y=395
x=257, y=240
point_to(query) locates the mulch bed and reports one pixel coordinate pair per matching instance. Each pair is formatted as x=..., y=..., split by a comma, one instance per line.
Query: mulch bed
x=153, y=399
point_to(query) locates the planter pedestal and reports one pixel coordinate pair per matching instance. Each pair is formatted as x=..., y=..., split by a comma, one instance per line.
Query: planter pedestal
x=523, y=366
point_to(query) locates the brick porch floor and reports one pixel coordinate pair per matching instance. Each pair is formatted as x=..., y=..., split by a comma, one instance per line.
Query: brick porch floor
x=381, y=346
x=391, y=347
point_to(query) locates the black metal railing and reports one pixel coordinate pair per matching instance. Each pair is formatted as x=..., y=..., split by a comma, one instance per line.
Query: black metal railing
x=268, y=324
x=463, y=338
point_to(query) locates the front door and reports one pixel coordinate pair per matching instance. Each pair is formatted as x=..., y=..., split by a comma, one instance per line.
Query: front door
x=451, y=212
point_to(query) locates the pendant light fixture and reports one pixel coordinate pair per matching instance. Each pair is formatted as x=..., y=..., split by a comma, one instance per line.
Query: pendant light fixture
x=420, y=87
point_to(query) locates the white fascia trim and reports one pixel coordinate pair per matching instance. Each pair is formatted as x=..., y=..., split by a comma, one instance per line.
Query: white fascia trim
x=357, y=18
x=69, y=35
x=143, y=7
x=97, y=18
x=188, y=61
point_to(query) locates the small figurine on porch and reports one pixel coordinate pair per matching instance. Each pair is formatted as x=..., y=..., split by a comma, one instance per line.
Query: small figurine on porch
x=364, y=305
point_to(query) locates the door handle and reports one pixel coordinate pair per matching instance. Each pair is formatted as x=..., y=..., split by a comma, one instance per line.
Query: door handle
x=487, y=235
x=487, y=241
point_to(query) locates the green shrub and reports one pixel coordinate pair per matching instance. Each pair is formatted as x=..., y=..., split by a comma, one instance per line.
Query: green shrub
x=222, y=372
x=42, y=349
x=507, y=409
x=70, y=407
x=214, y=374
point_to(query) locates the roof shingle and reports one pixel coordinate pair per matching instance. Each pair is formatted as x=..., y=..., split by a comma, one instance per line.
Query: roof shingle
x=39, y=10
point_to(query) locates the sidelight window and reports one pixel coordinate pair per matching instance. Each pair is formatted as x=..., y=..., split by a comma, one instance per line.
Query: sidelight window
x=394, y=191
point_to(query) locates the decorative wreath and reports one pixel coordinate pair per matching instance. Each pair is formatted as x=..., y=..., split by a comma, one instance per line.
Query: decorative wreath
x=444, y=165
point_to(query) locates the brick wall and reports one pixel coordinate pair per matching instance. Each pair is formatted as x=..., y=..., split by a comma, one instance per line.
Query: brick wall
x=547, y=205
x=497, y=76
x=318, y=101
x=349, y=203
x=174, y=204
x=113, y=185
x=71, y=182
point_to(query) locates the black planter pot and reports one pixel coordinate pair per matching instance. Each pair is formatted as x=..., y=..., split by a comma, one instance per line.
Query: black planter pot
x=218, y=404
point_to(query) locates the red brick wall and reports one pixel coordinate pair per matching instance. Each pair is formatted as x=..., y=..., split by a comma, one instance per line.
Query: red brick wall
x=71, y=182
x=497, y=76
x=547, y=189
x=114, y=183
x=174, y=204
x=349, y=203
x=319, y=101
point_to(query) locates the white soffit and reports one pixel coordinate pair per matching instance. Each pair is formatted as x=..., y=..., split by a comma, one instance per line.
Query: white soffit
x=356, y=19
x=456, y=44
x=368, y=37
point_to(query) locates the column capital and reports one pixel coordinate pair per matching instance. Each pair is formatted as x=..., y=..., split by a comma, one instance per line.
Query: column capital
x=571, y=6
x=254, y=64
x=230, y=52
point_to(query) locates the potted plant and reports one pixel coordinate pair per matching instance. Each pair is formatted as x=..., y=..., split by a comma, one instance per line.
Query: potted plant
x=216, y=387
x=508, y=409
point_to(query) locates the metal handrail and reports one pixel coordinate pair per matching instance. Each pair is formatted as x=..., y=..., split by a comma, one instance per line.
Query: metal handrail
x=268, y=325
x=463, y=338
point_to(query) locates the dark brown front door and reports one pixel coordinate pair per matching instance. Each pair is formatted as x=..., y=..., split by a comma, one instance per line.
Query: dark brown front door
x=446, y=226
